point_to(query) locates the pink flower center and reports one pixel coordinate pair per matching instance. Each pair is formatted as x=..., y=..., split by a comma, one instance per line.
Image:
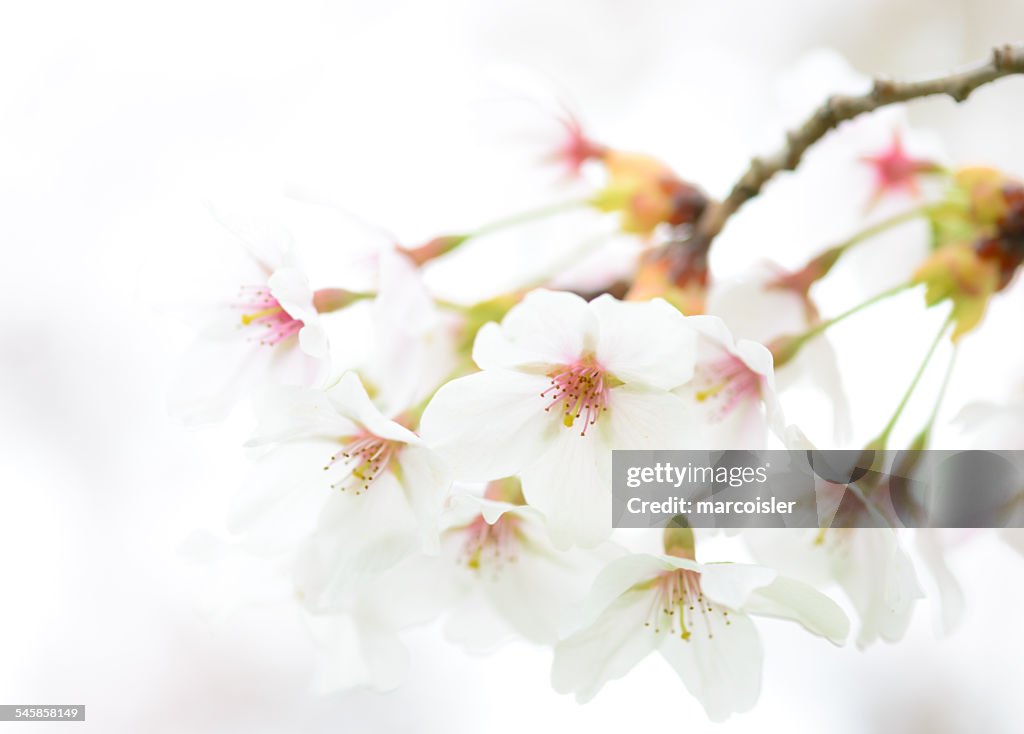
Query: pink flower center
x=266, y=320
x=491, y=545
x=895, y=170
x=678, y=606
x=580, y=391
x=364, y=458
x=726, y=382
x=576, y=148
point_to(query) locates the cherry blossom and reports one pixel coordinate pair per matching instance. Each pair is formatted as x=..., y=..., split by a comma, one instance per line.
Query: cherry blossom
x=339, y=487
x=896, y=171
x=506, y=578
x=562, y=383
x=270, y=330
x=698, y=616
x=734, y=387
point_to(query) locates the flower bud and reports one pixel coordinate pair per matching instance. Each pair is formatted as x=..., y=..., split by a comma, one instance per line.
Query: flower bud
x=435, y=248
x=678, y=540
x=785, y=347
x=647, y=193
x=958, y=273
x=326, y=300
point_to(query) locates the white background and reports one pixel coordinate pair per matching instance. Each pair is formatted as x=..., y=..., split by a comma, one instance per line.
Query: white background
x=119, y=120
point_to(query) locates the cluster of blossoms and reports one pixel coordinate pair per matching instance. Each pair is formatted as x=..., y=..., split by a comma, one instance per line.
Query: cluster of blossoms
x=462, y=461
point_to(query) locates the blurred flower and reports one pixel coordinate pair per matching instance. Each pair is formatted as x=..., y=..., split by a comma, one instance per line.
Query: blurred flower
x=896, y=171
x=564, y=382
x=413, y=341
x=1005, y=248
x=932, y=546
x=958, y=274
x=832, y=195
x=646, y=193
x=343, y=489
x=995, y=427
x=271, y=332
x=575, y=148
x=361, y=646
x=869, y=564
x=733, y=387
x=755, y=310
x=506, y=578
x=978, y=237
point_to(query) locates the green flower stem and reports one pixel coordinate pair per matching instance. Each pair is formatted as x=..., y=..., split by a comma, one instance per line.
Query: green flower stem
x=921, y=441
x=829, y=323
x=787, y=347
x=822, y=264
x=447, y=243
x=879, y=227
x=525, y=217
x=880, y=442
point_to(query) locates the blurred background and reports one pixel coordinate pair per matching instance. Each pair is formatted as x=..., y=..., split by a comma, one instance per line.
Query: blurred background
x=119, y=121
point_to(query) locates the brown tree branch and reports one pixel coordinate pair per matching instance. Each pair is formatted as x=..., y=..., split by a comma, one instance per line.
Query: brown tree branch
x=1005, y=60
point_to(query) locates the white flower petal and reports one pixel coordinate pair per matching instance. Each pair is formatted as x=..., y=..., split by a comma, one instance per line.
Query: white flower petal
x=533, y=593
x=952, y=602
x=288, y=412
x=412, y=341
x=313, y=339
x=211, y=377
x=487, y=425
x=403, y=302
x=350, y=399
x=793, y=552
x=555, y=325
x=356, y=653
x=415, y=590
x=493, y=349
x=878, y=576
x=785, y=598
x=722, y=671
x=606, y=650
x=1014, y=538
x=290, y=287
x=425, y=479
x=357, y=538
x=464, y=507
x=714, y=329
x=279, y=502
x=816, y=370
x=616, y=579
x=647, y=342
x=755, y=356
x=729, y=584
x=642, y=418
x=477, y=625
x=570, y=483
x=991, y=426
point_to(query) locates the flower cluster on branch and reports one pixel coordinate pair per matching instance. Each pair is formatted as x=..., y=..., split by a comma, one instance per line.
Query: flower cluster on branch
x=418, y=458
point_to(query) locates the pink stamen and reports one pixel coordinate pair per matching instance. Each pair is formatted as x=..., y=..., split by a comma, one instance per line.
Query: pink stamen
x=895, y=170
x=260, y=309
x=582, y=390
x=491, y=545
x=678, y=606
x=727, y=382
x=364, y=458
x=576, y=148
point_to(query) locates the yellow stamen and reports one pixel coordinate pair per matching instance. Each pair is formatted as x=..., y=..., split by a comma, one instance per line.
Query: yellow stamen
x=703, y=395
x=248, y=318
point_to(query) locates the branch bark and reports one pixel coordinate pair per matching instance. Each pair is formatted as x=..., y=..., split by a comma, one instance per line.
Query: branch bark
x=1004, y=61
